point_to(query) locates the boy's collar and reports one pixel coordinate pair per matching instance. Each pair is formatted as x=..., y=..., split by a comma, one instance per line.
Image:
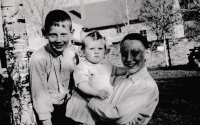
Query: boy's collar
x=49, y=49
x=134, y=77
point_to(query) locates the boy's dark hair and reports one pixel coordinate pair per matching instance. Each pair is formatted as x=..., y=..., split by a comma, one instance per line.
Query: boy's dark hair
x=95, y=35
x=136, y=36
x=53, y=17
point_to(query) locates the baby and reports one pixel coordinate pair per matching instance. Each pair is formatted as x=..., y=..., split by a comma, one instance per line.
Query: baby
x=92, y=79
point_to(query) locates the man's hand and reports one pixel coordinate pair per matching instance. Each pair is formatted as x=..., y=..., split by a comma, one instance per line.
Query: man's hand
x=47, y=122
x=102, y=94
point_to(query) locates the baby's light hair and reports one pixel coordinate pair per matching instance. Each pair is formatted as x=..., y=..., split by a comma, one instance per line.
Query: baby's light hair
x=95, y=35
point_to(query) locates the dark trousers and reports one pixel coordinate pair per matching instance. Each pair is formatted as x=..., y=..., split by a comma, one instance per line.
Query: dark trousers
x=58, y=116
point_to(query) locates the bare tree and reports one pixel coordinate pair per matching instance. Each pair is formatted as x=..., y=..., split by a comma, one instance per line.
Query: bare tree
x=161, y=17
x=16, y=45
x=124, y=11
x=191, y=14
x=36, y=11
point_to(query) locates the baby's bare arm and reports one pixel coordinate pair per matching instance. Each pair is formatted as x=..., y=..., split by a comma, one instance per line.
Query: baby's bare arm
x=87, y=89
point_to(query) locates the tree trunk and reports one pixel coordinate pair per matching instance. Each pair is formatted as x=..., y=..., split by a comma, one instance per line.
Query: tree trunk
x=127, y=14
x=167, y=52
x=16, y=45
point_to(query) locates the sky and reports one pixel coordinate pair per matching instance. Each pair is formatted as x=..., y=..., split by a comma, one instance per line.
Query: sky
x=76, y=2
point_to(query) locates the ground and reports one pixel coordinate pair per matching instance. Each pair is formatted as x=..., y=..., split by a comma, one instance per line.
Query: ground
x=179, y=97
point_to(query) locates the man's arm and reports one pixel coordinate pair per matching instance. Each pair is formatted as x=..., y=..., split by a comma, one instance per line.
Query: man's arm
x=129, y=109
x=39, y=90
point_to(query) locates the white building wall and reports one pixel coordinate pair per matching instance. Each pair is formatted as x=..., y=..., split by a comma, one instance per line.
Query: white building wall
x=136, y=28
x=108, y=32
x=113, y=36
x=77, y=2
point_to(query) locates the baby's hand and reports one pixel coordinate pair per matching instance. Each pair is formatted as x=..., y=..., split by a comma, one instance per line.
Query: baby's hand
x=102, y=94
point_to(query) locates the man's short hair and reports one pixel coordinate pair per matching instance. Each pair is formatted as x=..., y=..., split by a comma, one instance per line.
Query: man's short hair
x=53, y=17
x=136, y=36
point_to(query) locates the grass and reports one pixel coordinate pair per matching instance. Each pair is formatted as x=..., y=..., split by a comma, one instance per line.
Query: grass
x=179, y=101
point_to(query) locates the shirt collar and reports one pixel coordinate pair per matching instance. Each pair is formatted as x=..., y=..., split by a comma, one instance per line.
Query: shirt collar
x=49, y=50
x=92, y=64
x=134, y=77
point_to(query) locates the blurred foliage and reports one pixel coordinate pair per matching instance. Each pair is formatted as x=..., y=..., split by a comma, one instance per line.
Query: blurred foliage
x=160, y=16
x=5, y=100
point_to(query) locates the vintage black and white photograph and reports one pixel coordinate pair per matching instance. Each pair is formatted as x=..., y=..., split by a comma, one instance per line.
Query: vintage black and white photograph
x=100, y=62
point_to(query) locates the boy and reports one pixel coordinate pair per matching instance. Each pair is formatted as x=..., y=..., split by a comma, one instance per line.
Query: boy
x=50, y=69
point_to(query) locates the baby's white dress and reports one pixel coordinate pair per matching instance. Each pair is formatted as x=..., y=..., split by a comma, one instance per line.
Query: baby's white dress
x=98, y=76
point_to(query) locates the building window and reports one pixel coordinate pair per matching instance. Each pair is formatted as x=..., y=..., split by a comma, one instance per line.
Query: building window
x=119, y=29
x=144, y=33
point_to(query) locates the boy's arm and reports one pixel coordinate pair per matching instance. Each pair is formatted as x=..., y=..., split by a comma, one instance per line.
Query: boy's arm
x=117, y=71
x=39, y=90
x=137, y=105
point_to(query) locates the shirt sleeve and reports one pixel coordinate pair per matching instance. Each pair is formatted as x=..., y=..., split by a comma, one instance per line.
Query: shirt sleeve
x=136, y=108
x=76, y=59
x=111, y=67
x=81, y=74
x=114, y=69
x=39, y=90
